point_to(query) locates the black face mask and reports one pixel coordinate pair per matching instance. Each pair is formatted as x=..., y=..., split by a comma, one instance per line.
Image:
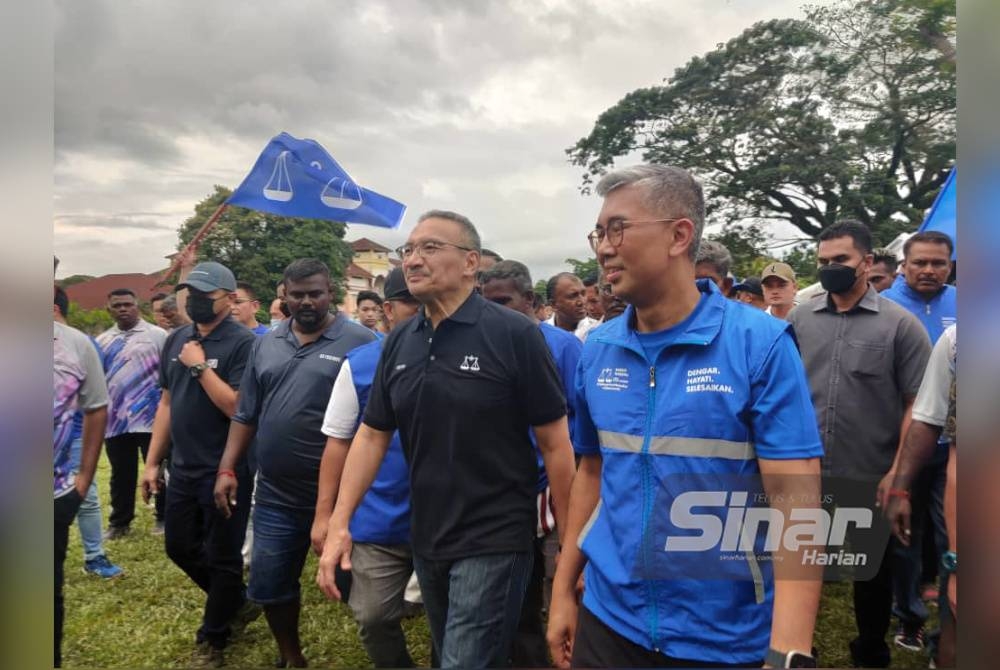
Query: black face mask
x=201, y=308
x=837, y=278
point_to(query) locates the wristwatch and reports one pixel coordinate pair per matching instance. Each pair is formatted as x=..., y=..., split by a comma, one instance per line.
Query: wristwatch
x=949, y=562
x=197, y=369
x=789, y=659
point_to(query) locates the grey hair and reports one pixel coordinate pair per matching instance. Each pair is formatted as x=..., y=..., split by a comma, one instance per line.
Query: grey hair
x=715, y=254
x=169, y=303
x=468, y=230
x=513, y=270
x=668, y=190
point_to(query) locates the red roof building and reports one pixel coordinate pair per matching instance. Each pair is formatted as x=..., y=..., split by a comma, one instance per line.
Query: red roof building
x=93, y=294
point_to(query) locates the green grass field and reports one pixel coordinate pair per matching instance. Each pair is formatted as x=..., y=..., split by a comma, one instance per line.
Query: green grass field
x=147, y=617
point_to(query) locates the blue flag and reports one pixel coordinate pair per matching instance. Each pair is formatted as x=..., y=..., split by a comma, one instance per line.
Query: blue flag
x=299, y=178
x=942, y=215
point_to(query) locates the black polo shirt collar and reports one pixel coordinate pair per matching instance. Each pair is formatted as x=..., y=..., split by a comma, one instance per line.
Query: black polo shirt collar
x=218, y=332
x=468, y=313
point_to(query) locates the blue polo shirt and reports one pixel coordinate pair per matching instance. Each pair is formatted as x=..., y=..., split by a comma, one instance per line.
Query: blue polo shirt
x=565, y=348
x=284, y=392
x=688, y=409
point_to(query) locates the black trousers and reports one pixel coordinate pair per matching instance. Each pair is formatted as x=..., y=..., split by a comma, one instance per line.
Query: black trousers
x=872, y=611
x=598, y=646
x=65, y=509
x=530, y=649
x=207, y=546
x=123, y=454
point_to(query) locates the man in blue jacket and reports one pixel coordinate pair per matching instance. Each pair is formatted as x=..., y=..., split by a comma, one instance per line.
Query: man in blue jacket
x=687, y=393
x=921, y=289
x=382, y=561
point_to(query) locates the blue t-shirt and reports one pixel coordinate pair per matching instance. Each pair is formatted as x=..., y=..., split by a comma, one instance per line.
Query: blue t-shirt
x=565, y=348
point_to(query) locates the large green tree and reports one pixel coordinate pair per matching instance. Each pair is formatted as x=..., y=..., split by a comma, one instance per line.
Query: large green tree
x=848, y=113
x=258, y=246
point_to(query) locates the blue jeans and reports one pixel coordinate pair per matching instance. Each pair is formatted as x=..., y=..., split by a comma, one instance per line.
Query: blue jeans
x=88, y=518
x=927, y=498
x=280, y=546
x=473, y=606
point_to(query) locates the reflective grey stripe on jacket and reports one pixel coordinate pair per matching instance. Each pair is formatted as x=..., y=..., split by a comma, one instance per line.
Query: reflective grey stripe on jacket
x=679, y=446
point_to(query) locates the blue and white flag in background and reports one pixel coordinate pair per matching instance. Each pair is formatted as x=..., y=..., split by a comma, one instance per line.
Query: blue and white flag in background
x=299, y=178
x=942, y=215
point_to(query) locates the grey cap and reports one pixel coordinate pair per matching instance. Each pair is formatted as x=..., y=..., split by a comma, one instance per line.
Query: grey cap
x=208, y=277
x=395, y=286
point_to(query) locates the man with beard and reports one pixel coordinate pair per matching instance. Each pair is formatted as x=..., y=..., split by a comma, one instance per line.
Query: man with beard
x=202, y=365
x=283, y=397
x=566, y=294
x=865, y=357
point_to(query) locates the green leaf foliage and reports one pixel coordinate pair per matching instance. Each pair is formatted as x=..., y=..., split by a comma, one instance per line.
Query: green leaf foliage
x=849, y=113
x=258, y=246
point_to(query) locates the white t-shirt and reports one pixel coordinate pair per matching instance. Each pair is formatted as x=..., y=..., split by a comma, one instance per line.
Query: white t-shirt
x=341, y=418
x=931, y=405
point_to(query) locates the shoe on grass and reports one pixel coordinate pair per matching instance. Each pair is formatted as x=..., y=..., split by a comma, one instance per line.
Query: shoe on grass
x=158, y=528
x=116, y=532
x=102, y=567
x=245, y=615
x=913, y=640
x=207, y=656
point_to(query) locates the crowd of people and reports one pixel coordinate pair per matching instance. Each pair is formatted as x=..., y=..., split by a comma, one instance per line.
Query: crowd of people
x=524, y=457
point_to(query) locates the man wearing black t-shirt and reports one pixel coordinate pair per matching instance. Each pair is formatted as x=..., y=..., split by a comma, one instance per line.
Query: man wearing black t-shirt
x=462, y=382
x=200, y=371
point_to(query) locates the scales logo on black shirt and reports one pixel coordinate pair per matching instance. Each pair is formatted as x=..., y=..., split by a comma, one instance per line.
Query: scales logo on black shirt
x=470, y=363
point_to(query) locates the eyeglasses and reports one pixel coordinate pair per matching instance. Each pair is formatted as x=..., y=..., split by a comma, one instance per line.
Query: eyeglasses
x=615, y=231
x=426, y=249
x=606, y=289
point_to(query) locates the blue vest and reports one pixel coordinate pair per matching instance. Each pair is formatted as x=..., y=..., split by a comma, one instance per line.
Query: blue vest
x=729, y=388
x=383, y=517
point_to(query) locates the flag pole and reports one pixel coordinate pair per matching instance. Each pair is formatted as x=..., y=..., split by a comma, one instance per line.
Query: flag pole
x=198, y=236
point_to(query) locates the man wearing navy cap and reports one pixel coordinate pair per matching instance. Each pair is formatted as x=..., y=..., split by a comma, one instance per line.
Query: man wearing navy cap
x=200, y=371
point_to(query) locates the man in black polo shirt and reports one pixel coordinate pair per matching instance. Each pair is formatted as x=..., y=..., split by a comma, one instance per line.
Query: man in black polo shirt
x=462, y=381
x=283, y=398
x=200, y=371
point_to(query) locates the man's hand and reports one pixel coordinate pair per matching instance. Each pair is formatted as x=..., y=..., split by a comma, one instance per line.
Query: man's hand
x=563, y=612
x=150, y=481
x=882, y=492
x=336, y=551
x=81, y=491
x=225, y=494
x=192, y=353
x=317, y=536
x=897, y=512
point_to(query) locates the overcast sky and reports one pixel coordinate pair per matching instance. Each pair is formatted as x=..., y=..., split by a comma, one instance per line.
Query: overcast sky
x=458, y=105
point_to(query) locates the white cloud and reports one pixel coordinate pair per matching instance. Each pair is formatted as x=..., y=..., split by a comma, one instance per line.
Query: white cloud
x=464, y=105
